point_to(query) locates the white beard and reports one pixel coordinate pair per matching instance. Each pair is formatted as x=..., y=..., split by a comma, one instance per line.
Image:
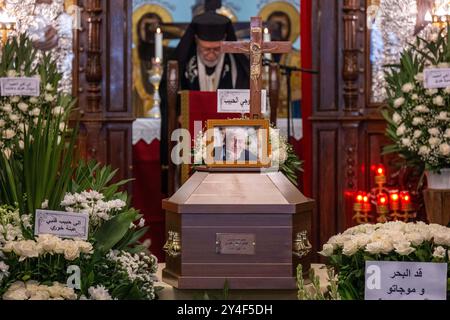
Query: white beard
x=209, y=64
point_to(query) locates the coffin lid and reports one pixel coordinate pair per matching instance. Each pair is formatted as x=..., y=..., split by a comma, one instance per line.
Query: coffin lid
x=238, y=192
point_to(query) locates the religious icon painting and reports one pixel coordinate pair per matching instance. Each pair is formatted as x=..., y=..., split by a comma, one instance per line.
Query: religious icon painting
x=240, y=143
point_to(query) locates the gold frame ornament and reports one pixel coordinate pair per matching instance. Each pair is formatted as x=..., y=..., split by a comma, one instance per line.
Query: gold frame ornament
x=289, y=9
x=263, y=135
x=138, y=84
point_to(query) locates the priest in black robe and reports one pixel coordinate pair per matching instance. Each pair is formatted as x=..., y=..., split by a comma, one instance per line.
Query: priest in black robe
x=203, y=67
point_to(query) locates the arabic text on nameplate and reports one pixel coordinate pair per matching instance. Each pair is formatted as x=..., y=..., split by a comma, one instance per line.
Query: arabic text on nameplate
x=237, y=101
x=62, y=224
x=435, y=78
x=392, y=280
x=20, y=86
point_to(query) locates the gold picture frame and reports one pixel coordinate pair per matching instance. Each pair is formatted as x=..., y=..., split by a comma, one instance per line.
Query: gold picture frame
x=238, y=143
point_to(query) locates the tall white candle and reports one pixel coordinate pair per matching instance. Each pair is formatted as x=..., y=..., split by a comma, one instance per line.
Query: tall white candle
x=158, y=44
x=266, y=38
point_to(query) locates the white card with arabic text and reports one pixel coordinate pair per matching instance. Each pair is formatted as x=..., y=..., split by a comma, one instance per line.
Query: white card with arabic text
x=238, y=101
x=62, y=224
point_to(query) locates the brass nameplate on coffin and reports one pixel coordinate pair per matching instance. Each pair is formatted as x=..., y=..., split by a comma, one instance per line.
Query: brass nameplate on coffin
x=235, y=243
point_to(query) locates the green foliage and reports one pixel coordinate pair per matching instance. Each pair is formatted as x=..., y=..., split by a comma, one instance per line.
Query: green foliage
x=314, y=291
x=292, y=167
x=418, y=56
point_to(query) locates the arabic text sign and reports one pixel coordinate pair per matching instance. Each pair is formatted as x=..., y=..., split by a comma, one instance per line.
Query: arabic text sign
x=436, y=78
x=20, y=86
x=237, y=101
x=62, y=224
x=391, y=280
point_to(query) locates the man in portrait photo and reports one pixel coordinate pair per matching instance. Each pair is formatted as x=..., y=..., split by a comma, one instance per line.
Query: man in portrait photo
x=235, y=144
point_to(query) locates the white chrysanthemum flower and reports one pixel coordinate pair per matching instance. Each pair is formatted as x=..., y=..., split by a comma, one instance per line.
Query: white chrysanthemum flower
x=447, y=90
x=396, y=118
x=444, y=149
x=327, y=250
x=417, y=120
x=22, y=106
x=431, y=92
x=44, y=205
x=57, y=111
x=406, y=142
x=49, y=87
x=417, y=133
x=7, y=108
x=398, y=102
x=421, y=108
x=99, y=293
x=424, y=150
x=419, y=77
x=438, y=100
x=7, y=152
x=350, y=248
x=14, y=99
x=401, y=130
x=48, y=97
x=439, y=252
x=11, y=73
x=14, y=117
x=2, y=123
x=34, y=100
x=403, y=248
x=414, y=96
x=434, y=131
x=447, y=133
x=407, y=87
x=8, y=134
x=433, y=141
x=35, y=112
x=443, y=115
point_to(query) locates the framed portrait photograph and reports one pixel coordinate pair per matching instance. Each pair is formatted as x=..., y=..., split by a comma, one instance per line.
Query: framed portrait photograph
x=238, y=143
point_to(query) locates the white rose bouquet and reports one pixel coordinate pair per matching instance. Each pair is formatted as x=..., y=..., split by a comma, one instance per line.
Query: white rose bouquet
x=38, y=170
x=391, y=241
x=419, y=118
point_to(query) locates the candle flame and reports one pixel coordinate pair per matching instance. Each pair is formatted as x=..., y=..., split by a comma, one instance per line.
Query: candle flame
x=266, y=30
x=158, y=30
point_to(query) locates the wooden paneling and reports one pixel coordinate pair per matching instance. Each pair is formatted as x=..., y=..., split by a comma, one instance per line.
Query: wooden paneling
x=348, y=131
x=102, y=83
x=119, y=155
x=325, y=147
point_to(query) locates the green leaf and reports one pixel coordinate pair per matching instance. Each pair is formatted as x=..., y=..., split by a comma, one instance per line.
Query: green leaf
x=113, y=230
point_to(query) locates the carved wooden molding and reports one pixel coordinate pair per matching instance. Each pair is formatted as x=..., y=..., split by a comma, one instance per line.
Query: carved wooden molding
x=274, y=89
x=172, y=94
x=351, y=69
x=93, y=65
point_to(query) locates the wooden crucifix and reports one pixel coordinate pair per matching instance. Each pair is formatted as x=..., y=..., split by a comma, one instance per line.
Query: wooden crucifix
x=255, y=48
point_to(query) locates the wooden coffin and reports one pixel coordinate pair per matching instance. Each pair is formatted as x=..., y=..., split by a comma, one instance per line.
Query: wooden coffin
x=235, y=227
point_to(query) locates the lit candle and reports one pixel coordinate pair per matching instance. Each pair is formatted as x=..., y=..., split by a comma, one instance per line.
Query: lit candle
x=394, y=201
x=158, y=44
x=405, y=200
x=266, y=38
x=382, y=207
x=380, y=175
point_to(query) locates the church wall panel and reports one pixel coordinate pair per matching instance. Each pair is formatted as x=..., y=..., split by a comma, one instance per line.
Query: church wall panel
x=118, y=155
x=328, y=63
x=117, y=71
x=102, y=83
x=325, y=163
